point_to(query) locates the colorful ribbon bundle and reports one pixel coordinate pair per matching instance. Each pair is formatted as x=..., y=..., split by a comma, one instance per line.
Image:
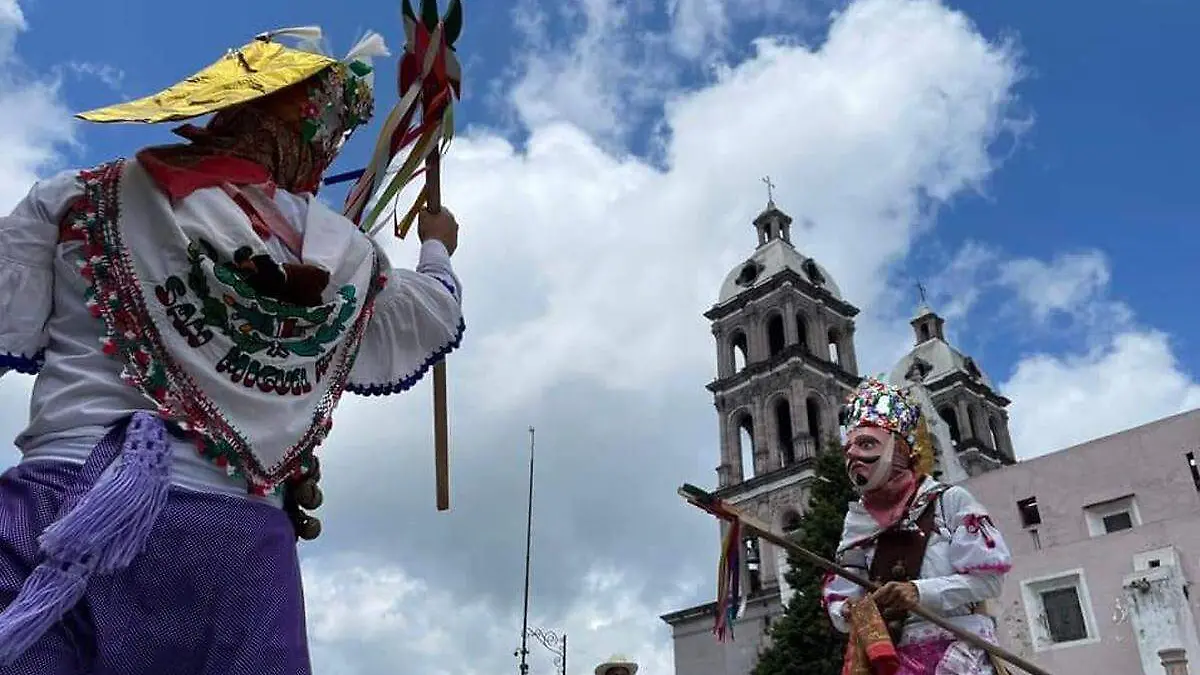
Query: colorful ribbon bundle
x=729, y=572
x=430, y=79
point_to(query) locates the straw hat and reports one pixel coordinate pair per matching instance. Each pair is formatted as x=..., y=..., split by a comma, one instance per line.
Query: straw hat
x=610, y=667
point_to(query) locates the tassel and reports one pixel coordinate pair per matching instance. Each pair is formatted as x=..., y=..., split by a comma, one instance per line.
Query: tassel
x=103, y=533
x=369, y=47
x=729, y=582
x=110, y=525
x=49, y=593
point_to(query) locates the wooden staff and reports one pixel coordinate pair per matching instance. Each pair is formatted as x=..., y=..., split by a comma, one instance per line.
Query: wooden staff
x=441, y=421
x=710, y=503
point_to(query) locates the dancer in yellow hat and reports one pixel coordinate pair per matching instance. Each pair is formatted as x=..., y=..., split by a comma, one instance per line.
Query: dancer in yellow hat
x=193, y=316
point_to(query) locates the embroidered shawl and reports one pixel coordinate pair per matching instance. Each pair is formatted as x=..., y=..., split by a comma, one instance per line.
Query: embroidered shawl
x=254, y=379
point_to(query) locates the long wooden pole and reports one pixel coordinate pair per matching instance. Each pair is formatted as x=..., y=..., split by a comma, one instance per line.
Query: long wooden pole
x=707, y=501
x=441, y=421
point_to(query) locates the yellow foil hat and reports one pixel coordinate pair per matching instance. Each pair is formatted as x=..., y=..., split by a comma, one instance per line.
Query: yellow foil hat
x=258, y=69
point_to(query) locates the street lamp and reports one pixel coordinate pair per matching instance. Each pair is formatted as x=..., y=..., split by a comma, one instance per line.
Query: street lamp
x=557, y=646
x=549, y=639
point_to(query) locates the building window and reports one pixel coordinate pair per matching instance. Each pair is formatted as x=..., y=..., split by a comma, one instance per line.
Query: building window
x=1064, y=615
x=753, y=565
x=951, y=419
x=1160, y=557
x=1030, y=516
x=1059, y=611
x=791, y=523
x=1117, y=522
x=1112, y=516
x=1191, y=460
x=776, y=339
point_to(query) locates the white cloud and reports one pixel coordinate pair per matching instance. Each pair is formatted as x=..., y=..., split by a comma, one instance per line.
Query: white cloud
x=893, y=114
x=34, y=123
x=599, y=80
x=1060, y=401
x=369, y=619
x=1113, y=374
x=111, y=77
x=701, y=30
x=696, y=25
x=1120, y=375
x=34, y=127
x=587, y=270
x=1067, y=284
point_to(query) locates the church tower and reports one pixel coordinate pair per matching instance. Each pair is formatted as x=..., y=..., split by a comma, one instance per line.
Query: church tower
x=972, y=412
x=785, y=363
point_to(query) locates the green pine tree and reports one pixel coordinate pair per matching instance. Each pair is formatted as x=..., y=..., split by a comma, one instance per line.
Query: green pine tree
x=803, y=642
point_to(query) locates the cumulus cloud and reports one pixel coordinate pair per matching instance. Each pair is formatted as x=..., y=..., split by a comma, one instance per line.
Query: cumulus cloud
x=601, y=78
x=587, y=271
x=35, y=127
x=363, y=618
x=895, y=113
x=34, y=124
x=1106, y=373
x=702, y=30
x=1121, y=374
x=1069, y=284
x=1063, y=400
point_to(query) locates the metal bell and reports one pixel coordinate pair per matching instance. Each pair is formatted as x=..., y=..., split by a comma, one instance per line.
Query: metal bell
x=308, y=528
x=308, y=494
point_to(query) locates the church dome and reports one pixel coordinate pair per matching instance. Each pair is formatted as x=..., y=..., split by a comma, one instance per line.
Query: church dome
x=932, y=360
x=933, y=357
x=769, y=260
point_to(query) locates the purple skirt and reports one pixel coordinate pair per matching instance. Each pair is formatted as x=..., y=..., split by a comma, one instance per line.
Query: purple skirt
x=216, y=591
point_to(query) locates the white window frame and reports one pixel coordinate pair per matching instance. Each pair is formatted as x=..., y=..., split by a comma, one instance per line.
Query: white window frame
x=1166, y=557
x=1031, y=595
x=1096, y=513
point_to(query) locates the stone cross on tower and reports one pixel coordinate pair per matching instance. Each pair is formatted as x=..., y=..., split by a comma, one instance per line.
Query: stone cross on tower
x=770, y=190
x=921, y=290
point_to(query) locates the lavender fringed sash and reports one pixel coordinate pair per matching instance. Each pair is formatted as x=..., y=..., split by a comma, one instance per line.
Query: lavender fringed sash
x=104, y=523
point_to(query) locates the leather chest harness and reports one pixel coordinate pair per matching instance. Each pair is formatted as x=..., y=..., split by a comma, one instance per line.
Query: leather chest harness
x=899, y=554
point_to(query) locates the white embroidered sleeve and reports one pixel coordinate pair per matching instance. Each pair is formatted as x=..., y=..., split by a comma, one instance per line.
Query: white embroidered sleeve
x=836, y=591
x=28, y=239
x=418, y=319
x=977, y=553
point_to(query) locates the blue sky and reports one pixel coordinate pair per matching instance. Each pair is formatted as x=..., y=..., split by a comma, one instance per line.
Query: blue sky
x=1030, y=166
x=1107, y=163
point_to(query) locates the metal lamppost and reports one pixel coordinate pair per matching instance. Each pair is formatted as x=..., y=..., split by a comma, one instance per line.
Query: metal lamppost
x=549, y=640
x=523, y=651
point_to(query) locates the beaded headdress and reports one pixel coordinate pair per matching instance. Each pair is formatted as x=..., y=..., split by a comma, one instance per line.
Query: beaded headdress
x=878, y=404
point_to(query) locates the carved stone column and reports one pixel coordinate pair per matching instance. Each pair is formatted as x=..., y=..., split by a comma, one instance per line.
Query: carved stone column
x=848, y=352
x=725, y=472
x=966, y=430
x=790, y=333
x=762, y=439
